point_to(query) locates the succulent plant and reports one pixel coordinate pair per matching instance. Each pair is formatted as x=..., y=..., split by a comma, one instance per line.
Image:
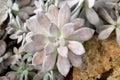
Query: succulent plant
x=22, y=69
x=51, y=34
x=57, y=38
x=113, y=25
x=17, y=29
x=7, y=6
x=26, y=8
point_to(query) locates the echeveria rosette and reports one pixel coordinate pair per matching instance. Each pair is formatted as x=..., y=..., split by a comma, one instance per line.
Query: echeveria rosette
x=57, y=38
x=108, y=29
x=17, y=29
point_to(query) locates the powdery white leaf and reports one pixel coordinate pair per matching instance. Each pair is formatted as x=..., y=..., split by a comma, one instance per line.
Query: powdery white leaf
x=53, y=14
x=29, y=10
x=63, y=65
x=76, y=47
x=106, y=16
x=75, y=60
x=7, y=55
x=23, y=15
x=43, y=21
x=49, y=48
x=32, y=47
x=39, y=38
x=68, y=29
x=20, y=38
x=91, y=3
x=34, y=26
x=49, y=62
x=54, y=30
x=15, y=7
x=15, y=50
x=63, y=15
x=38, y=58
x=23, y=2
x=106, y=33
x=13, y=36
x=92, y=16
x=78, y=22
x=118, y=36
x=39, y=3
x=12, y=75
x=62, y=42
x=4, y=78
x=3, y=16
x=3, y=10
x=9, y=3
x=82, y=34
x=63, y=51
x=71, y=3
x=28, y=36
x=2, y=47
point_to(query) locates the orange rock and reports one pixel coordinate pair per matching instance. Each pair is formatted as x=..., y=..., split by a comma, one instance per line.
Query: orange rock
x=102, y=56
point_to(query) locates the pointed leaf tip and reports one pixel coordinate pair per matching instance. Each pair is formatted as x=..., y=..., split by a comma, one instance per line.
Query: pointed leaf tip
x=63, y=65
x=76, y=47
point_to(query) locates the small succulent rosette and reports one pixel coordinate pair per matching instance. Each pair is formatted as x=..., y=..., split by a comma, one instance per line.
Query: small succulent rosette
x=8, y=7
x=113, y=23
x=57, y=40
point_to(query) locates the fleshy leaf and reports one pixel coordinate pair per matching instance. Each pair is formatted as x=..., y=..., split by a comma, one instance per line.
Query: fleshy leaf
x=106, y=16
x=75, y=60
x=63, y=51
x=54, y=30
x=43, y=21
x=49, y=49
x=63, y=65
x=20, y=38
x=40, y=39
x=12, y=75
x=38, y=58
x=13, y=36
x=49, y=62
x=76, y=47
x=3, y=11
x=78, y=22
x=92, y=16
x=64, y=15
x=71, y=3
x=106, y=33
x=2, y=47
x=62, y=42
x=32, y=47
x=34, y=25
x=68, y=29
x=28, y=36
x=53, y=14
x=15, y=7
x=118, y=36
x=3, y=16
x=4, y=78
x=91, y=3
x=9, y=3
x=82, y=34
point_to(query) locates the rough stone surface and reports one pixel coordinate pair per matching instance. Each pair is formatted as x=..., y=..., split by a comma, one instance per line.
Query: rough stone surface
x=103, y=61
